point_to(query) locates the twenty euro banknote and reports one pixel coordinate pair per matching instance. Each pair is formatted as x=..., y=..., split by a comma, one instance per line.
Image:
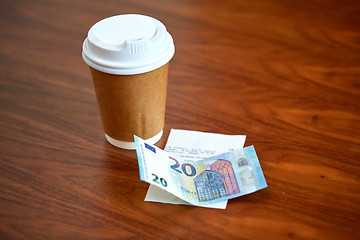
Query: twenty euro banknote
x=225, y=176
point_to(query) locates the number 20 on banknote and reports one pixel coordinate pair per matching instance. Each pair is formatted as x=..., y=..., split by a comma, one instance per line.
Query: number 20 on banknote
x=186, y=168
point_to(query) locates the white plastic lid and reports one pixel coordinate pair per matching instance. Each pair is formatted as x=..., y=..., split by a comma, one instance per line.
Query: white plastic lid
x=128, y=44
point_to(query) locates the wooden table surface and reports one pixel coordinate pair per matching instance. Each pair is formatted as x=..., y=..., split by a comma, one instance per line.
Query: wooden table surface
x=284, y=73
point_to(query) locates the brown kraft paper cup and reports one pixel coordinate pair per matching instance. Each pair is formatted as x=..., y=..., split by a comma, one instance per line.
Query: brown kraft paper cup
x=132, y=104
x=128, y=56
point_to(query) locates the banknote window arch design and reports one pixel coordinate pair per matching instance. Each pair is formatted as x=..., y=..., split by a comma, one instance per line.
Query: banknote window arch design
x=209, y=186
x=224, y=167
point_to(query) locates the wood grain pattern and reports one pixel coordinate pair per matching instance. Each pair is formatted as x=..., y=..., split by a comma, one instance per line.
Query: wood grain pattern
x=285, y=73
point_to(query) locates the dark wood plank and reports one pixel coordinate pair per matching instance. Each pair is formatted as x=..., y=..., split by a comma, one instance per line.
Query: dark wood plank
x=285, y=73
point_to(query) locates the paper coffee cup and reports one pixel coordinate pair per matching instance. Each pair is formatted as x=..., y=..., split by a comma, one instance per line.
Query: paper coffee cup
x=128, y=56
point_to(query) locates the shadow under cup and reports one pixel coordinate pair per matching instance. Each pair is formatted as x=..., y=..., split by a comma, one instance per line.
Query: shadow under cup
x=131, y=104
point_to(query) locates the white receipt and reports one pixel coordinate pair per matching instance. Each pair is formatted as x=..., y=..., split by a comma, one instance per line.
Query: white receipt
x=194, y=146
